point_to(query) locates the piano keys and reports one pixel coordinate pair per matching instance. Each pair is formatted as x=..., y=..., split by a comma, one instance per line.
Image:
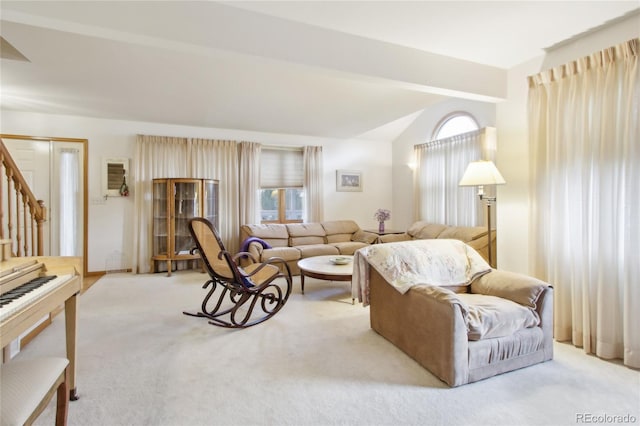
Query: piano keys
x=31, y=291
x=21, y=313
x=18, y=292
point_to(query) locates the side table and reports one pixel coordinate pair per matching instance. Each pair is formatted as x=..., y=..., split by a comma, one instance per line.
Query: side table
x=385, y=232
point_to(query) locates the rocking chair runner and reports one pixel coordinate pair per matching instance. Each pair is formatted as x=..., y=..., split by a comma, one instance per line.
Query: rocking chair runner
x=239, y=288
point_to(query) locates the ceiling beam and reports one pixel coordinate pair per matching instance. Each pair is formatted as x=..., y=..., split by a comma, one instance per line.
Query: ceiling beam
x=208, y=28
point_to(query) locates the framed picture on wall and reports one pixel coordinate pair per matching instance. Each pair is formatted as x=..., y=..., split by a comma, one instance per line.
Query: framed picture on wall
x=348, y=180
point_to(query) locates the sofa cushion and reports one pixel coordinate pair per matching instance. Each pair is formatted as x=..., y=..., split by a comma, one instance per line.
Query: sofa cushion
x=338, y=238
x=340, y=227
x=492, y=351
x=304, y=241
x=348, y=247
x=339, y=230
x=306, y=233
x=316, y=250
x=463, y=233
x=519, y=288
x=274, y=234
x=267, y=230
x=490, y=316
x=305, y=230
x=364, y=237
x=286, y=253
x=424, y=230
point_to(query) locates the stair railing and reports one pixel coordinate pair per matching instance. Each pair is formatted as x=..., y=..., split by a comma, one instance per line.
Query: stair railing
x=22, y=216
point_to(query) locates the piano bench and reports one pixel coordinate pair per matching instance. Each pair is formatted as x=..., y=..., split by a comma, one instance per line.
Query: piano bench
x=27, y=386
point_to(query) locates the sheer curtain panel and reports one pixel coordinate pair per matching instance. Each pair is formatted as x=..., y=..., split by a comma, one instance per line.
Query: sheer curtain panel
x=313, y=187
x=440, y=165
x=69, y=188
x=585, y=148
x=218, y=159
x=249, y=153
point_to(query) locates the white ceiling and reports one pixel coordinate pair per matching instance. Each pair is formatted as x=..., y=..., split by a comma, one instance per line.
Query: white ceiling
x=329, y=69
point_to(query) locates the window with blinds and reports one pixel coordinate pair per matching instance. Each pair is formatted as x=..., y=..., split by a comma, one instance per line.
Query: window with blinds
x=281, y=168
x=281, y=183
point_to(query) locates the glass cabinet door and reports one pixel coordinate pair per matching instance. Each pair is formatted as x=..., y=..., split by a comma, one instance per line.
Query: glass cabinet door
x=186, y=206
x=210, y=202
x=160, y=218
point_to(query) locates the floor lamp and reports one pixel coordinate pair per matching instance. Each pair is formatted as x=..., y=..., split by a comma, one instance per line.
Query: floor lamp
x=480, y=174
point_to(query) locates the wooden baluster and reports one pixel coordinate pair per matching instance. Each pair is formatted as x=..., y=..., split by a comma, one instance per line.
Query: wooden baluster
x=18, y=235
x=33, y=233
x=10, y=213
x=40, y=225
x=25, y=228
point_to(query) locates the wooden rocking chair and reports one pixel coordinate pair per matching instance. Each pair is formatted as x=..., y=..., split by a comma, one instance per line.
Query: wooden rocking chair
x=239, y=291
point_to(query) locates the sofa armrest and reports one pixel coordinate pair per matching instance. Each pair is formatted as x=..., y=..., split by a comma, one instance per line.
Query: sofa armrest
x=391, y=238
x=428, y=323
x=256, y=249
x=518, y=288
x=527, y=291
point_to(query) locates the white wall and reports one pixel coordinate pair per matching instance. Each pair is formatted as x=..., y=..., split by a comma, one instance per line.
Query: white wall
x=512, y=157
x=514, y=239
x=110, y=222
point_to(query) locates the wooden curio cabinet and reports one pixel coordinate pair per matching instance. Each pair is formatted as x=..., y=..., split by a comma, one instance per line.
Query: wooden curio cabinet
x=175, y=202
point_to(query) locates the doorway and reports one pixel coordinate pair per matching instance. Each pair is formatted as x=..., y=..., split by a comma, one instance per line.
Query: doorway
x=55, y=169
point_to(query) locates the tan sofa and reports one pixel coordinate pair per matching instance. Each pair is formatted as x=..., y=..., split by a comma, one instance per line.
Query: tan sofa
x=295, y=241
x=431, y=324
x=474, y=236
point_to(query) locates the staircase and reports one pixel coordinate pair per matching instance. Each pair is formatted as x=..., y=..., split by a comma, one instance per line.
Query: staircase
x=22, y=216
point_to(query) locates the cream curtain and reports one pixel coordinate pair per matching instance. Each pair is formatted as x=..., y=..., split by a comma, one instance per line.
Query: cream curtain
x=235, y=165
x=218, y=159
x=155, y=157
x=440, y=165
x=313, y=187
x=585, y=148
x=249, y=155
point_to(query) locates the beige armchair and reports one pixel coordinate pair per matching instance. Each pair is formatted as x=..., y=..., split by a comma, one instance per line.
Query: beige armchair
x=430, y=324
x=441, y=303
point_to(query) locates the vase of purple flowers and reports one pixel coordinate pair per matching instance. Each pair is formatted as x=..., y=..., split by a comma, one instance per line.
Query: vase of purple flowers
x=382, y=215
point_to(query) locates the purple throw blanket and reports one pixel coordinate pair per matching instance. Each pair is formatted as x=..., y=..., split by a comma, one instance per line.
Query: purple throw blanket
x=245, y=244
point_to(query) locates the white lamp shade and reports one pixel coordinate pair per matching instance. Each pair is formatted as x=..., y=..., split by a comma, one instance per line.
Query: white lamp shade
x=481, y=173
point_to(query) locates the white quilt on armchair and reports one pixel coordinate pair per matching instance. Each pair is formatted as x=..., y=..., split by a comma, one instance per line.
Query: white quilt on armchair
x=437, y=262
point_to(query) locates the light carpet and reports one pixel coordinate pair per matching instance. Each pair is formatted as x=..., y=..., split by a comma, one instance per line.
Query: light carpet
x=317, y=362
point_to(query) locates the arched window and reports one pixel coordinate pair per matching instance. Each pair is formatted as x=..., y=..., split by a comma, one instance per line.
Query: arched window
x=457, y=140
x=455, y=124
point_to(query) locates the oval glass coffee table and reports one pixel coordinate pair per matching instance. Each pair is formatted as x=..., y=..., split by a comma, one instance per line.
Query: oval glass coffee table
x=322, y=268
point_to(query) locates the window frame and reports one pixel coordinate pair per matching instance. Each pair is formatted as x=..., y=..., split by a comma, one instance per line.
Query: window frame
x=282, y=207
x=444, y=120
